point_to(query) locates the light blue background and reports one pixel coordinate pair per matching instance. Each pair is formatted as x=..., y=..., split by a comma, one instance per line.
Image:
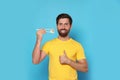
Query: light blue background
x=96, y=25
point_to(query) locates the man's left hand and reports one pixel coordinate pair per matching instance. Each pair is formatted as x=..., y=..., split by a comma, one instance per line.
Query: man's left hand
x=64, y=59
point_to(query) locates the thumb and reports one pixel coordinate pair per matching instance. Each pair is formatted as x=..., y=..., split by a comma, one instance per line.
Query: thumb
x=64, y=53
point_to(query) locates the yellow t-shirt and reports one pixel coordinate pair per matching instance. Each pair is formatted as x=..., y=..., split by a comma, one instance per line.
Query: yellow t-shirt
x=54, y=49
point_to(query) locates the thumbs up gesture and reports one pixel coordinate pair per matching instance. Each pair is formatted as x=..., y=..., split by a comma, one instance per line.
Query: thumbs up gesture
x=64, y=59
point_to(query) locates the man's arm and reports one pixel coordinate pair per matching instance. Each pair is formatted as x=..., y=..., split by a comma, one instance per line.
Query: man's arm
x=38, y=55
x=80, y=65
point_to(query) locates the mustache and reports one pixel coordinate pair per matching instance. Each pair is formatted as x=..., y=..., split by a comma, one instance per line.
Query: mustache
x=63, y=29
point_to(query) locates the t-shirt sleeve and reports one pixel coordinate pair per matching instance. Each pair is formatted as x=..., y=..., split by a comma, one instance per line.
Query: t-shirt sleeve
x=45, y=48
x=80, y=52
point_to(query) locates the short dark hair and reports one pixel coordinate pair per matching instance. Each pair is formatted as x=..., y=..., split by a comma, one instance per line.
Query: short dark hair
x=64, y=15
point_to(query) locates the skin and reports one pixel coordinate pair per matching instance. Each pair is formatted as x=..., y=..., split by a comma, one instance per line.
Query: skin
x=38, y=55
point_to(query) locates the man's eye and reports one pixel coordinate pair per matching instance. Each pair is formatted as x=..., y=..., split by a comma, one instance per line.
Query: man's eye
x=60, y=24
x=66, y=23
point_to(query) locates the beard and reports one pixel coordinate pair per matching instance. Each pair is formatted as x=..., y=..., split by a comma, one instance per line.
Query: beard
x=63, y=32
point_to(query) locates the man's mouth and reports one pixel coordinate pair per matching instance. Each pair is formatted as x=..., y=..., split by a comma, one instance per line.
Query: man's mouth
x=62, y=31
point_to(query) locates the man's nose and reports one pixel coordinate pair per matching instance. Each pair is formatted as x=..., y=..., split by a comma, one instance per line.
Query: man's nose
x=63, y=26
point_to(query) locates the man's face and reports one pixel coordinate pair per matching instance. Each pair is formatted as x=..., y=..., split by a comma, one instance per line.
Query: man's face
x=63, y=27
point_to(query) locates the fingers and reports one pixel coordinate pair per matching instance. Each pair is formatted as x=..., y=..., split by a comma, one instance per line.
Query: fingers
x=64, y=53
x=41, y=31
x=63, y=58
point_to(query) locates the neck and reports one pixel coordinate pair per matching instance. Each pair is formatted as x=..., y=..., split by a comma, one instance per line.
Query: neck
x=63, y=38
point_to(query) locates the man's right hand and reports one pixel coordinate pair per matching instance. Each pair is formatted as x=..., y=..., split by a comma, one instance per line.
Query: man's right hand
x=40, y=33
x=38, y=55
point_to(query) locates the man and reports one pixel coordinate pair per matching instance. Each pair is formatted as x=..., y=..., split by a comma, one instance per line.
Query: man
x=66, y=55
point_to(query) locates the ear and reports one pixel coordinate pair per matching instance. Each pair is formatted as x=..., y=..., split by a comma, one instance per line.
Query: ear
x=70, y=26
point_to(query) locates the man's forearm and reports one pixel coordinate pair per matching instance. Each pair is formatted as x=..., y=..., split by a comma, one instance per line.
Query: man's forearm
x=81, y=65
x=36, y=52
x=78, y=66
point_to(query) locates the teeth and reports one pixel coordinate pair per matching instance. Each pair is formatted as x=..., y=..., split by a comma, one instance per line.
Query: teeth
x=63, y=31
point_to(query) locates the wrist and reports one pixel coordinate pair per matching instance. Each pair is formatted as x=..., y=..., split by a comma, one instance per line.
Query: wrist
x=39, y=39
x=68, y=61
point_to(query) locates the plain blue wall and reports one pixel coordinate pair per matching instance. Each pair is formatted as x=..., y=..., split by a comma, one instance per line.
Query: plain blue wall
x=96, y=25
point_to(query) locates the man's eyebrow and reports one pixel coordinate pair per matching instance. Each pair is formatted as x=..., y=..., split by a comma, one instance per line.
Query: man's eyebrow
x=60, y=23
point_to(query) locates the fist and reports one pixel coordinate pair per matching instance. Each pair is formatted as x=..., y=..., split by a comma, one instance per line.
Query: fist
x=40, y=33
x=64, y=59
